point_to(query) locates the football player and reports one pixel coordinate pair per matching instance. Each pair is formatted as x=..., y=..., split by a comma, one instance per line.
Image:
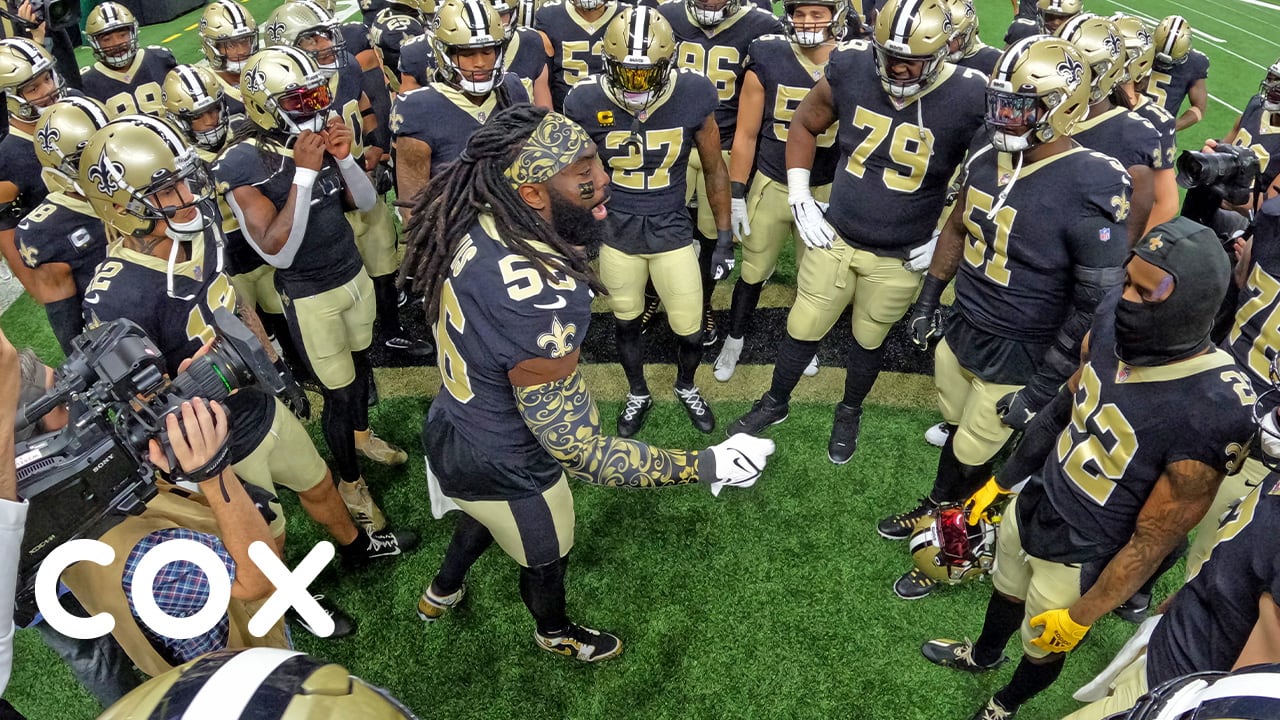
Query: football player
x=712, y=38
x=62, y=239
x=1258, y=128
x=1113, y=129
x=31, y=85
x=1181, y=72
x=228, y=37
x=328, y=297
x=907, y=118
x=966, y=49
x=780, y=70
x=573, y=34
x=125, y=79
x=1140, y=54
x=398, y=24
x=509, y=292
x=526, y=56
x=1053, y=267
x=1049, y=16
x=647, y=118
x=1117, y=472
x=431, y=124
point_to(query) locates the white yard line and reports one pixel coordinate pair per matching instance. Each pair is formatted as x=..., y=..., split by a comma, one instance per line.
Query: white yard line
x=1225, y=104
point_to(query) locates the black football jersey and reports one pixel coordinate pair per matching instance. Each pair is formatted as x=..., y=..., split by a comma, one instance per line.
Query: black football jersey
x=1127, y=425
x=132, y=285
x=391, y=29
x=577, y=44
x=348, y=86
x=1017, y=276
x=240, y=257
x=1259, y=133
x=983, y=58
x=1254, y=339
x=525, y=56
x=20, y=166
x=135, y=89
x=63, y=229
x=1124, y=135
x=496, y=312
x=1169, y=86
x=890, y=166
x=1021, y=27
x=787, y=77
x=1165, y=124
x=328, y=256
x=720, y=53
x=417, y=59
x=1209, y=622
x=355, y=36
x=444, y=117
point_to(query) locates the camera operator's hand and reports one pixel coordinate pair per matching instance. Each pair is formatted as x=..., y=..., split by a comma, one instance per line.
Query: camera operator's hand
x=308, y=150
x=28, y=13
x=198, y=442
x=338, y=138
x=1210, y=145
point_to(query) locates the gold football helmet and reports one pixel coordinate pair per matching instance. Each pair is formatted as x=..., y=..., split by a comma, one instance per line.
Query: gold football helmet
x=1270, y=88
x=964, y=19
x=107, y=18
x=913, y=31
x=1057, y=12
x=806, y=35
x=283, y=89
x=310, y=28
x=1038, y=91
x=27, y=68
x=468, y=25
x=950, y=551
x=190, y=91
x=525, y=10
x=1173, y=41
x=60, y=137
x=131, y=159
x=226, y=23
x=1099, y=42
x=707, y=13
x=639, y=51
x=1140, y=53
x=306, y=689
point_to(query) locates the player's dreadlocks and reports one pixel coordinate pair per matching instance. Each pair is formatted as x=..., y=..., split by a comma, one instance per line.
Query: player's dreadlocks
x=448, y=206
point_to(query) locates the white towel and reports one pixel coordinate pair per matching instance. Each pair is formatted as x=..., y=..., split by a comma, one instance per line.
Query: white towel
x=440, y=503
x=1100, y=686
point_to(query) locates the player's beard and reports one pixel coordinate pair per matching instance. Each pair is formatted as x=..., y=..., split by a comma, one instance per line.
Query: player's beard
x=577, y=224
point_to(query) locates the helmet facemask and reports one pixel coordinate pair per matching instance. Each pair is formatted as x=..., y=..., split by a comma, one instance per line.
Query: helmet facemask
x=1270, y=89
x=31, y=108
x=589, y=5
x=963, y=42
x=474, y=82
x=213, y=138
x=709, y=13
x=118, y=54
x=637, y=81
x=1015, y=121
x=900, y=88
x=235, y=66
x=331, y=57
x=807, y=33
x=305, y=107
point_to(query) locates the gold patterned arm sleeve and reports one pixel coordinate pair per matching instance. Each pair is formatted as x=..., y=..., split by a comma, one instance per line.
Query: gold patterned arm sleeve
x=564, y=418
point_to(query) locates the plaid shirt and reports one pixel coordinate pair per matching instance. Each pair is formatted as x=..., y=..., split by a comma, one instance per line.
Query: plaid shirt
x=181, y=589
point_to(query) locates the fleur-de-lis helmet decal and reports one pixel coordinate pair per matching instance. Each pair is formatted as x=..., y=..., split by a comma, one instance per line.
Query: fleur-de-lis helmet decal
x=106, y=174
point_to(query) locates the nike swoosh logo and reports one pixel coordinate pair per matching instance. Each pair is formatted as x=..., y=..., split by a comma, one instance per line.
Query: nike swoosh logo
x=92, y=299
x=559, y=303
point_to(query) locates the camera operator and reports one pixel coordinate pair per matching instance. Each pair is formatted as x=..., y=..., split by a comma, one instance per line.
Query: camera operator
x=55, y=24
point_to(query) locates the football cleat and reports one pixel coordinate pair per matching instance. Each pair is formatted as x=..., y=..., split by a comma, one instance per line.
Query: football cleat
x=365, y=512
x=914, y=585
x=1134, y=609
x=844, y=434
x=812, y=368
x=652, y=303
x=581, y=643
x=431, y=607
x=727, y=360
x=993, y=710
x=378, y=450
x=378, y=545
x=410, y=346
x=633, y=414
x=937, y=435
x=710, y=333
x=902, y=525
x=343, y=624
x=696, y=407
x=763, y=413
x=957, y=655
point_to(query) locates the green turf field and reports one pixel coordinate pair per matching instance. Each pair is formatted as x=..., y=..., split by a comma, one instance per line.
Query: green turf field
x=769, y=603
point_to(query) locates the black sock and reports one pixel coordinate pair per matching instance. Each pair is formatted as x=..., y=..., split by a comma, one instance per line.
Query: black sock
x=706, y=248
x=277, y=326
x=364, y=376
x=339, y=423
x=959, y=481
x=1004, y=617
x=746, y=296
x=542, y=589
x=470, y=540
x=66, y=317
x=862, y=369
x=688, y=355
x=1030, y=679
x=387, y=298
x=793, y=357
x=631, y=354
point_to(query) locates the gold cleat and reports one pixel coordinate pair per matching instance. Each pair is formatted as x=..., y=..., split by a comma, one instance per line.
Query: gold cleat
x=378, y=450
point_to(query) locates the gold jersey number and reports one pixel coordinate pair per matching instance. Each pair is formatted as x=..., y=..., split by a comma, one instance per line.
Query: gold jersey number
x=1098, y=445
x=909, y=149
x=628, y=169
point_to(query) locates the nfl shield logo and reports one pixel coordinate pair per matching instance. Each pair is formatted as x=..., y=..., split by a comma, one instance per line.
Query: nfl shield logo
x=1104, y=234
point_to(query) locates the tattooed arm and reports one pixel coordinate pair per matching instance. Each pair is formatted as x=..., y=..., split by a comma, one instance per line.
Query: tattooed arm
x=1178, y=501
x=249, y=317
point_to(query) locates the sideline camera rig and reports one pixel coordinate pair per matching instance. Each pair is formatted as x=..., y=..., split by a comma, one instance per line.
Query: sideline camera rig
x=84, y=479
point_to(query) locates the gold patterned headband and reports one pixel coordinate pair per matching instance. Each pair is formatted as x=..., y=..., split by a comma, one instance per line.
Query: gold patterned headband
x=555, y=144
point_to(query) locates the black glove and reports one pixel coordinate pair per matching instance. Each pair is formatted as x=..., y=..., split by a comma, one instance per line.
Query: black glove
x=1018, y=409
x=384, y=178
x=722, y=261
x=294, y=397
x=925, y=323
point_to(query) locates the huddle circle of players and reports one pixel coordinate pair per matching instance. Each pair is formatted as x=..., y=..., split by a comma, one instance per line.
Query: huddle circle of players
x=900, y=155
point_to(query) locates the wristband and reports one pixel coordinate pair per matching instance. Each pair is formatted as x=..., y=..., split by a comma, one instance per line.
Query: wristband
x=798, y=185
x=305, y=177
x=738, y=191
x=931, y=291
x=724, y=238
x=1196, y=110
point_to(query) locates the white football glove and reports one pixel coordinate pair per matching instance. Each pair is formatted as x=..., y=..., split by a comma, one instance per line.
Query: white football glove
x=740, y=461
x=811, y=225
x=1270, y=436
x=738, y=208
x=919, y=258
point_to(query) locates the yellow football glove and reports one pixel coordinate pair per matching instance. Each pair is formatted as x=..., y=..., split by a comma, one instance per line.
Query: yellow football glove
x=1061, y=633
x=980, y=501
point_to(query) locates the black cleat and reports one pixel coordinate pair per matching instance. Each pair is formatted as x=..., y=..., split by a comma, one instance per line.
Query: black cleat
x=581, y=643
x=710, y=333
x=633, y=414
x=696, y=408
x=409, y=346
x=844, y=434
x=1134, y=609
x=902, y=525
x=379, y=545
x=956, y=655
x=343, y=624
x=993, y=710
x=914, y=585
x=764, y=413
